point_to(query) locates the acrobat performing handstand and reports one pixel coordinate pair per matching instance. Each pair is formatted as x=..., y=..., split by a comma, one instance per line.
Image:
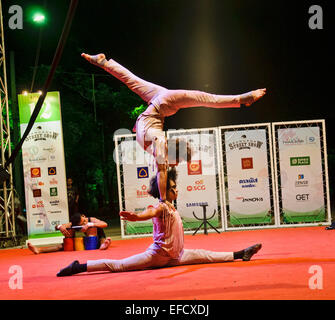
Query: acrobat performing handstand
x=163, y=103
x=167, y=249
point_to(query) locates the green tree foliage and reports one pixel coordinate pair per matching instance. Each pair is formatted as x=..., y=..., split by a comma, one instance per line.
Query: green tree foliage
x=137, y=111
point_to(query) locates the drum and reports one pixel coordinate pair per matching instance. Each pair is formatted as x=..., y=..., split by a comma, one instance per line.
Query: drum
x=91, y=243
x=68, y=244
x=79, y=244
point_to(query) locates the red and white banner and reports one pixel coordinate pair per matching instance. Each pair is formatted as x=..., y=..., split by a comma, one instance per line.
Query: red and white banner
x=197, y=180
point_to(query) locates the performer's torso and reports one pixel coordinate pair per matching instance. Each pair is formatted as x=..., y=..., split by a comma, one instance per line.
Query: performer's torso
x=168, y=232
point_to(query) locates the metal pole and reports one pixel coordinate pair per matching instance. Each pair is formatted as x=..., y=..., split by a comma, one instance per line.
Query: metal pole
x=16, y=129
x=8, y=194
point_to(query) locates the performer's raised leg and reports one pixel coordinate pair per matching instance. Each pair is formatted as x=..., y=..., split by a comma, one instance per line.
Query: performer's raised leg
x=144, y=89
x=178, y=99
x=252, y=96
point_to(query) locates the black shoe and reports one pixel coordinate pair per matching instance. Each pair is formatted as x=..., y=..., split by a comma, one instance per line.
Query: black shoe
x=249, y=252
x=330, y=228
x=68, y=271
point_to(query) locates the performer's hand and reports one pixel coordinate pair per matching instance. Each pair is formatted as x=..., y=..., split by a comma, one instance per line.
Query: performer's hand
x=128, y=215
x=64, y=231
x=84, y=228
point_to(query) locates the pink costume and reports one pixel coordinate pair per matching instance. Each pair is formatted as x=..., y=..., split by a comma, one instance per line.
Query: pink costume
x=163, y=103
x=167, y=249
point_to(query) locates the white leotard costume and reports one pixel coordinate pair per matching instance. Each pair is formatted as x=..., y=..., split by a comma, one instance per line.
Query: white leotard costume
x=167, y=249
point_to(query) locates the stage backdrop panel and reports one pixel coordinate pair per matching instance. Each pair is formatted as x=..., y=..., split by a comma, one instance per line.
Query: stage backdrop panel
x=302, y=178
x=135, y=169
x=199, y=180
x=44, y=168
x=248, y=176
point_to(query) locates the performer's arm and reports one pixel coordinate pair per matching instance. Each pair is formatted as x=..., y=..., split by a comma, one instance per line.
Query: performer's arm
x=160, y=153
x=162, y=180
x=63, y=228
x=98, y=223
x=147, y=214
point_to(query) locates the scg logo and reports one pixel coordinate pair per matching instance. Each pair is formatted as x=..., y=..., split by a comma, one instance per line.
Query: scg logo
x=199, y=185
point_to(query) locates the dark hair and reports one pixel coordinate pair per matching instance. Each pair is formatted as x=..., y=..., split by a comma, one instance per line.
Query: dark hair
x=75, y=219
x=179, y=149
x=154, y=190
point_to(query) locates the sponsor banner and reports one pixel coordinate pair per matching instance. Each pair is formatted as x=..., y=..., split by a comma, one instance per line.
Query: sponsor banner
x=248, y=193
x=197, y=183
x=301, y=174
x=138, y=168
x=43, y=166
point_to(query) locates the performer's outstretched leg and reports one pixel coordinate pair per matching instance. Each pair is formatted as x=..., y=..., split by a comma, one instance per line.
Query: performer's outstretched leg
x=142, y=261
x=199, y=256
x=252, y=96
x=178, y=99
x=148, y=260
x=144, y=89
x=175, y=98
x=37, y=250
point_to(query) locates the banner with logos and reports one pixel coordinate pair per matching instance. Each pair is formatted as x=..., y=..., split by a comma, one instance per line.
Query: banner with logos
x=247, y=176
x=301, y=174
x=197, y=180
x=138, y=168
x=44, y=167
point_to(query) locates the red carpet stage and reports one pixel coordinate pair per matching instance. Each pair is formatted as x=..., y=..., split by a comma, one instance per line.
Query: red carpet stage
x=294, y=263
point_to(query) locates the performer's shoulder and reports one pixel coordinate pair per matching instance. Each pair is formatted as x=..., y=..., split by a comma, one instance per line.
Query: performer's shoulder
x=156, y=206
x=159, y=207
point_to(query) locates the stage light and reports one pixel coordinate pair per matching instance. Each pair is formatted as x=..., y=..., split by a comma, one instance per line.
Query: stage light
x=39, y=18
x=37, y=15
x=25, y=93
x=39, y=92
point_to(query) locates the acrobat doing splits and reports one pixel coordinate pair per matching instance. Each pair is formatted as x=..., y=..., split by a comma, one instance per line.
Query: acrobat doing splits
x=163, y=103
x=167, y=249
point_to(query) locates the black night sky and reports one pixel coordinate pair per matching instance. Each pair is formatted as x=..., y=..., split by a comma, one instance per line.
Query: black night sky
x=219, y=46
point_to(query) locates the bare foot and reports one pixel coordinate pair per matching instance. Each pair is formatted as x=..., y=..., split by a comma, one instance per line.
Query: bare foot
x=106, y=244
x=98, y=60
x=250, y=97
x=33, y=248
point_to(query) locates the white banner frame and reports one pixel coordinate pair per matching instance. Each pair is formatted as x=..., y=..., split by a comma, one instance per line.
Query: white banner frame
x=273, y=199
x=48, y=125
x=170, y=133
x=117, y=157
x=323, y=142
x=273, y=174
